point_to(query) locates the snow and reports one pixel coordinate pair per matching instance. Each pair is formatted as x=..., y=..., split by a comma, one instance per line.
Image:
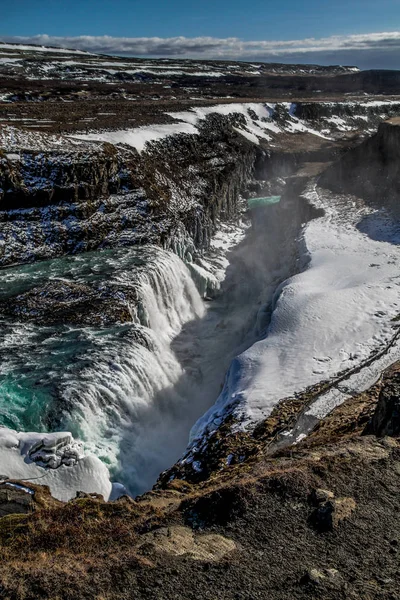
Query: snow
x=339, y=123
x=19, y=47
x=328, y=319
x=258, y=124
x=12, y=139
x=23, y=488
x=113, y=67
x=138, y=137
x=175, y=72
x=248, y=135
x=254, y=129
x=4, y=61
x=378, y=103
x=52, y=459
x=75, y=63
x=187, y=121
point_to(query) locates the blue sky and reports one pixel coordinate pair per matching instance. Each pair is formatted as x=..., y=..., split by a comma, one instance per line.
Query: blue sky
x=258, y=20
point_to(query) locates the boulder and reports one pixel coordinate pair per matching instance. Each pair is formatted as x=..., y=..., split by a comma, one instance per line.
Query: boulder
x=179, y=541
x=15, y=499
x=330, y=513
x=386, y=419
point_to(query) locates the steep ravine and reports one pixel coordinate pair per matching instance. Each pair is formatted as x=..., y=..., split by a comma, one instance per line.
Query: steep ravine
x=146, y=357
x=132, y=390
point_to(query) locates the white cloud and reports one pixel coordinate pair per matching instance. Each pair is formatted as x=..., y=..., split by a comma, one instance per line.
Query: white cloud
x=370, y=47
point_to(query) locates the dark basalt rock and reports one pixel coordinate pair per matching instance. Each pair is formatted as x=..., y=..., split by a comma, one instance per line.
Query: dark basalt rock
x=386, y=419
x=62, y=202
x=371, y=170
x=15, y=499
x=70, y=303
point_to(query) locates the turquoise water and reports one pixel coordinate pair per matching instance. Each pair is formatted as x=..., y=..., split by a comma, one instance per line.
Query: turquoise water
x=36, y=361
x=97, y=382
x=265, y=201
x=91, y=267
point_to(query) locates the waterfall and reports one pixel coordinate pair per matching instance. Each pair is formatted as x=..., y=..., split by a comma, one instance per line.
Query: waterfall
x=168, y=295
x=113, y=383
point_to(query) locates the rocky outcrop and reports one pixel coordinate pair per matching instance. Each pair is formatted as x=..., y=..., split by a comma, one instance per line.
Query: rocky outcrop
x=386, y=419
x=71, y=303
x=15, y=499
x=182, y=541
x=330, y=512
x=354, y=113
x=74, y=196
x=39, y=179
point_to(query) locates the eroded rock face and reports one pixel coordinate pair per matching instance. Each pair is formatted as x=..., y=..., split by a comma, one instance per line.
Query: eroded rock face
x=44, y=178
x=371, y=170
x=60, y=202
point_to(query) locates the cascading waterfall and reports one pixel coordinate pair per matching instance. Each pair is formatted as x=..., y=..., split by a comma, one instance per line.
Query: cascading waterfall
x=123, y=376
x=112, y=374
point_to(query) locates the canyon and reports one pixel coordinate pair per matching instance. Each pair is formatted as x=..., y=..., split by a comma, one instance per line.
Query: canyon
x=194, y=376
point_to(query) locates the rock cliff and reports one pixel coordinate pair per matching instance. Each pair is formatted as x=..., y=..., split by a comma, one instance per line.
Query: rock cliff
x=372, y=169
x=55, y=202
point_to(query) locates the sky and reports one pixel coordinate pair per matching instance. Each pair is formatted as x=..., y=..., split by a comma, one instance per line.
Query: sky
x=362, y=32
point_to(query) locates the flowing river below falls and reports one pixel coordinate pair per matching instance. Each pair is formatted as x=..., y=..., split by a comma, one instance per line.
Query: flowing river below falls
x=132, y=391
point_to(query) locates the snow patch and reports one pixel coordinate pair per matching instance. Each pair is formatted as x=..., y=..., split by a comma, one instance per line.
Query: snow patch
x=138, y=137
x=52, y=459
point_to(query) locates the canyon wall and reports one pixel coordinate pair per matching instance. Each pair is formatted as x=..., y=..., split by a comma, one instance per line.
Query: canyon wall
x=370, y=171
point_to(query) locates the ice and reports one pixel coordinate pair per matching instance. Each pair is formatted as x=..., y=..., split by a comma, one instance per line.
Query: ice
x=52, y=459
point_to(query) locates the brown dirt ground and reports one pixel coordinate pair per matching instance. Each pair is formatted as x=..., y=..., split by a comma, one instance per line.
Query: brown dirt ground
x=91, y=549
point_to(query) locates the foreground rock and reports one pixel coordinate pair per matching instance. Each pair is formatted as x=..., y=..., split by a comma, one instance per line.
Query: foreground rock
x=386, y=419
x=179, y=541
x=70, y=303
x=330, y=513
x=15, y=499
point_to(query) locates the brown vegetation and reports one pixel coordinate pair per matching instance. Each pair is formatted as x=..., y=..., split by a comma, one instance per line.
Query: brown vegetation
x=320, y=519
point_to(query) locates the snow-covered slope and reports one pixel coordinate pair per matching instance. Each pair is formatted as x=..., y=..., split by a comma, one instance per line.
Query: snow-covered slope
x=255, y=121
x=42, y=62
x=327, y=319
